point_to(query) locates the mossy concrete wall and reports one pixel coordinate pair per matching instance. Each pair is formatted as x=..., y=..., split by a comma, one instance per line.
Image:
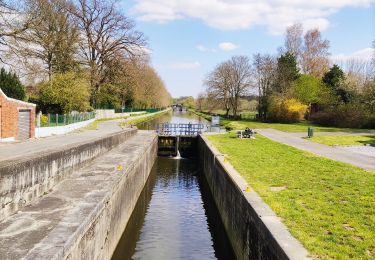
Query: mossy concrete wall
x=24, y=180
x=254, y=230
x=84, y=216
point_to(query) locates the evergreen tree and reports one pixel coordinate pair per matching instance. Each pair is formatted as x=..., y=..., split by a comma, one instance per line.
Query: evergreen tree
x=335, y=79
x=11, y=85
x=287, y=72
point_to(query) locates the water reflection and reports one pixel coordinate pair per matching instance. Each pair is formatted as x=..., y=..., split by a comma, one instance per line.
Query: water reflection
x=175, y=217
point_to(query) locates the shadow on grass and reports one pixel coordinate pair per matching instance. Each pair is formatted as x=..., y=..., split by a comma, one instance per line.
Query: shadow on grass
x=370, y=141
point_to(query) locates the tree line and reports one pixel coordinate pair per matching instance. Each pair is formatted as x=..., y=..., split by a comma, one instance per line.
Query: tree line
x=79, y=55
x=300, y=82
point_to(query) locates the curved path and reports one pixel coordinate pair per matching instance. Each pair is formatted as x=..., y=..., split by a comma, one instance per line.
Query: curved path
x=338, y=154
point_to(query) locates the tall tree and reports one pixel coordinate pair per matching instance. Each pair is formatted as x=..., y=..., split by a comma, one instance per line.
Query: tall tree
x=13, y=22
x=217, y=83
x=293, y=40
x=335, y=79
x=51, y=39
x=265, y=70
x=287, y=72
x=240, y=80
x=106, y=33
x=315, y=55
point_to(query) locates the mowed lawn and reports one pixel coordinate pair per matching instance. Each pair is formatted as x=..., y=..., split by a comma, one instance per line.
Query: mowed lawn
x=343, y=140
x=292, y=127
x=329, y=206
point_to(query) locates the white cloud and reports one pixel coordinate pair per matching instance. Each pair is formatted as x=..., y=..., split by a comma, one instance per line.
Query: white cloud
x=183, y=65
x=360, y=55
x=203, y=48
x=227, y=46
x=275, y=15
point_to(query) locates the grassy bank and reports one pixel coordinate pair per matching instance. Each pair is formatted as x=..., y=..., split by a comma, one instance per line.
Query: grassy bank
x=144, y=118
x=343, y=140
x=327, y=205
x=94, y=125
x=293, y=127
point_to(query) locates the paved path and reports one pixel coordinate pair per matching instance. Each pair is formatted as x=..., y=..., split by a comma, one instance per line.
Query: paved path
x=13, y=151
x=342, y=155
x=304, y=134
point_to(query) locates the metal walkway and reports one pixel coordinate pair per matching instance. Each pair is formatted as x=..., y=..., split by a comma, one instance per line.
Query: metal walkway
x=169, y=129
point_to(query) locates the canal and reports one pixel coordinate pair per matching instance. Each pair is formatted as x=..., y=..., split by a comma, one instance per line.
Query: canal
x=175, y=216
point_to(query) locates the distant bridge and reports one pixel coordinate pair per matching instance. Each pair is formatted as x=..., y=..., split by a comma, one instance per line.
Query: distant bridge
x=178, y=107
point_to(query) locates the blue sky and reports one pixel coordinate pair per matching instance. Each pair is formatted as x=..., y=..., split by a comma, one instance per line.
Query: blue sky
x=187, y=38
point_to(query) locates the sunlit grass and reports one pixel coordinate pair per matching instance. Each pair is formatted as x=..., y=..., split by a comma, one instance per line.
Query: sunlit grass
x=293, y=127
x=343, y=140
x=327, y=205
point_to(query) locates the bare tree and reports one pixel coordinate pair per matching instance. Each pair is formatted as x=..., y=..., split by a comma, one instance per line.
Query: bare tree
x=240, y=80
x=293, y=40
x=265, y=70
x=51, y=39
x=13, y=22
x=217, y=83
x=106, y=33
x=315, y=56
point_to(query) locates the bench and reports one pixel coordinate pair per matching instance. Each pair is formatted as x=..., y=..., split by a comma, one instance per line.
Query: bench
x=247, y=133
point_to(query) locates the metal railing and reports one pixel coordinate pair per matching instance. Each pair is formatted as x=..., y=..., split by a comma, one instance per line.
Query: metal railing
x=169, y=129
x=130, y=110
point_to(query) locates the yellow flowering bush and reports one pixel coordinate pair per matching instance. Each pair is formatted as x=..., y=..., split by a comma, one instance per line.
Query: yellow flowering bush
x=43, y=120
x=286, y=110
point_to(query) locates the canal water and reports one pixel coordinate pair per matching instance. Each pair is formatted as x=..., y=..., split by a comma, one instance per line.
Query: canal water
x=175, y=216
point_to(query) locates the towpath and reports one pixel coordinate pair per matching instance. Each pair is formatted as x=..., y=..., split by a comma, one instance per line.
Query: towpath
x=295, y=139
x=14, y=151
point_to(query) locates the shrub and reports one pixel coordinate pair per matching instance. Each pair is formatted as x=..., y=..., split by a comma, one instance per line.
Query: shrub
x=345, y=115
x=11, y=85
x=68, y=91
x=43, y=119
x=286, y=110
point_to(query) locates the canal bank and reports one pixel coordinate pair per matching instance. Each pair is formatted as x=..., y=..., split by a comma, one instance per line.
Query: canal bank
x=254, y=230
x=84, y=216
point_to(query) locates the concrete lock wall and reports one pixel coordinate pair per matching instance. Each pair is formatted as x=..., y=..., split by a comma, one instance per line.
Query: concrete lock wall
x=22, y=181
x=254, y=230
x=102, y=234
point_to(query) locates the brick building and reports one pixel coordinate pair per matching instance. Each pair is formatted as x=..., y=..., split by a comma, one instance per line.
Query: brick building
x=17, y=119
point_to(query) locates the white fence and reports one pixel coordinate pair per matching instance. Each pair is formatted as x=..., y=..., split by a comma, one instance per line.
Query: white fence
x=60, y=130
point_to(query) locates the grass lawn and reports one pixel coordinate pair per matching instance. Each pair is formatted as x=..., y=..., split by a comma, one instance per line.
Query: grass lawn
x=137, y=121
x=295, y=127
x=343, y=140
x=94, y=125
x=329, y=206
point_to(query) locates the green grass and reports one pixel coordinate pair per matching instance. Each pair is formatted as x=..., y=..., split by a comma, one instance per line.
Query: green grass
x=144, y=119
x=293, y=127
x=343, y=140
x=329, y=206
x=94, y=125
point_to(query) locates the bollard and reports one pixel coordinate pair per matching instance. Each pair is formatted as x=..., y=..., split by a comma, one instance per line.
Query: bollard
x=310, y=132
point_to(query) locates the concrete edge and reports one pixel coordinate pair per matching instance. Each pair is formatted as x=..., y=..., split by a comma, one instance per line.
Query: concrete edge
x=23, y=159
x=24, y=180
x=74, y=247
x=292, y=247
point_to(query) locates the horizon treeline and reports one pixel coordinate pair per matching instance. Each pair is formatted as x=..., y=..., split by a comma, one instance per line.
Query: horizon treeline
x=300, y=82
x=79, y=55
